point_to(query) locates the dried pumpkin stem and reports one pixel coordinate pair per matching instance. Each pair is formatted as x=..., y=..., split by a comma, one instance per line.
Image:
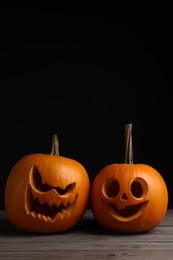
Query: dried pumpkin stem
x=55, y=145
x=128, y=144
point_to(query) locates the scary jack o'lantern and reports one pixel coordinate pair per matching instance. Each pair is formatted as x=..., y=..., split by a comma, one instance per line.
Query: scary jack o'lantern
x=46, y=193
x=128, y=197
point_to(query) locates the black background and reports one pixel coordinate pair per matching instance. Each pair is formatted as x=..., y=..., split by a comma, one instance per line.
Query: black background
x=85, y=76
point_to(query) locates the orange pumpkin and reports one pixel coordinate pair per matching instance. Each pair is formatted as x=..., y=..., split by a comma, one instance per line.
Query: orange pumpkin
x=46, y=193
x=128, y=197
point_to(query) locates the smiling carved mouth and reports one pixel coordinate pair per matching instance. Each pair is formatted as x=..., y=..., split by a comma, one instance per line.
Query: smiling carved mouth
x=40, y=209
x=127, y=213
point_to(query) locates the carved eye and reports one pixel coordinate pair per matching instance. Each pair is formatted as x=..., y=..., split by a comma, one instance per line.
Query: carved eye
x=45, y=187
x=111, y=188
x=139, y=188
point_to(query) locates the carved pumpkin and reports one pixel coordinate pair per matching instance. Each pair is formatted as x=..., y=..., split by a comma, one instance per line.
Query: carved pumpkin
x=46, y=193
x=128, y=197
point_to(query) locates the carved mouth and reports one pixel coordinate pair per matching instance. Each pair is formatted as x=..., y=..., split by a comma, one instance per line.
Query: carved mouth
x=43, y=209
x=128, y=212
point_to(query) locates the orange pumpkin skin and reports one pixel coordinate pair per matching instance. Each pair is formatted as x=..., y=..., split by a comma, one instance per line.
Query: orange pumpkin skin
x=46, y=193
x=129, y=198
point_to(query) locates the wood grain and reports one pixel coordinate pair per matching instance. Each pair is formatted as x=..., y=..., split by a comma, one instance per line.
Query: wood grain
x=87, y=241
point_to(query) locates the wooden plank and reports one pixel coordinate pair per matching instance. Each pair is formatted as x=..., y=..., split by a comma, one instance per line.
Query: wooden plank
x=88, y=229
x=86, y=245
x=87, y=241
x=89, y=255
x=156, y=236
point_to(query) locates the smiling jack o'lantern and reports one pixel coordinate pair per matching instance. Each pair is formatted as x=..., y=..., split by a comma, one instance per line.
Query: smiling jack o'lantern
x=128, y=197
x=46, y=193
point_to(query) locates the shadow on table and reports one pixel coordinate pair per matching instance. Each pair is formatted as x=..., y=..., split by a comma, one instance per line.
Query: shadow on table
x=85, y=225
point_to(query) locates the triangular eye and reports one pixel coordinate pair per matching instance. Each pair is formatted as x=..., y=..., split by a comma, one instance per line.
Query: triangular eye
x=38, y=183
x=69, y=189
x=45, y=187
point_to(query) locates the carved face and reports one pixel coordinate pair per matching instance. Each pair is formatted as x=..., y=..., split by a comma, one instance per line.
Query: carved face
x=125, y=202
x=48, y=202
x=129, y=198
x=44, y=193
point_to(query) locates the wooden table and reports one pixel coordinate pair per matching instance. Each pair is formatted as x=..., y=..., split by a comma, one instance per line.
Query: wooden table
x=87, y=241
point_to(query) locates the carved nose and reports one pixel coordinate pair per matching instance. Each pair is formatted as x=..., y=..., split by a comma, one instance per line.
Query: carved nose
x=124, y=196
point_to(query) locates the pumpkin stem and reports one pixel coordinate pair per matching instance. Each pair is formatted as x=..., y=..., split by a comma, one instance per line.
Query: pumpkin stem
x=128, y=144
x=55, y=145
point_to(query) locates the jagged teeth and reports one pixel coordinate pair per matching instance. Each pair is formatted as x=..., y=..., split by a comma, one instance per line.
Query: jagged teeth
x=33, y=214
x=44, y=218
x=49, y=219
x=57, y=203
x=59, y=215
x=65, y=202
x=49, y=201
x=38, y=216
x=41, y=200
x=65, y=213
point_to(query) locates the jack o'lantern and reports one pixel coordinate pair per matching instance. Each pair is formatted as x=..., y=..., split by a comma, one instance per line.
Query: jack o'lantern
x=128, y=197
x=46, y=193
